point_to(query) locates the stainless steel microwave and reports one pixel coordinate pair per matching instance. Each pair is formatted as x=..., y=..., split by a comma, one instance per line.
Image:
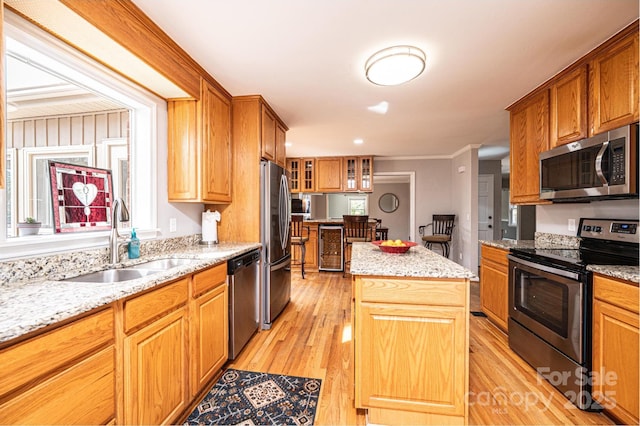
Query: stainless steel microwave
x=603, y=166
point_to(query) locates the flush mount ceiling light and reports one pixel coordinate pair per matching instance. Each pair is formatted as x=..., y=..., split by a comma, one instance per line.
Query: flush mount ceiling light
x=395, y=65
x=358, y=141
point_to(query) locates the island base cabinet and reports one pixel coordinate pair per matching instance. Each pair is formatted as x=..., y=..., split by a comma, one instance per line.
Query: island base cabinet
x=156, y=386
x=411, y=350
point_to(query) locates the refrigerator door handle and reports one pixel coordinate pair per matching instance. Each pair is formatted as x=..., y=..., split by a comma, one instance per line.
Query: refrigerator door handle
x=284, y=212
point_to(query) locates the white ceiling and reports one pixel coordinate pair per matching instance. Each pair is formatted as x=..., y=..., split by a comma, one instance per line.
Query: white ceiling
x=307, y=59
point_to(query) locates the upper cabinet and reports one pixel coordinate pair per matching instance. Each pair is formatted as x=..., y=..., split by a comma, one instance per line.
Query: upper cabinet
x=613, y=86
x=597, y=93
x=273, y=135
x=529, y=137
x=302, y=174
x=199, y=148
x=568, y=108
x=358, y=174
x=329, y=174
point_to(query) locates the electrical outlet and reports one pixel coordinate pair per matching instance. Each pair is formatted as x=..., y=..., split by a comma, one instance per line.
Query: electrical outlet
x=572, y=225
x=173, y=224
x=460, y=255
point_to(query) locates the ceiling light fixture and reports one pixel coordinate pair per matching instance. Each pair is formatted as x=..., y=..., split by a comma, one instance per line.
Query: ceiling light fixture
x=358, y=141
x=395, y=65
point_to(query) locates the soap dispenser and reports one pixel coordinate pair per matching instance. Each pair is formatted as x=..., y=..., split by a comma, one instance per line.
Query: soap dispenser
x=134, y=245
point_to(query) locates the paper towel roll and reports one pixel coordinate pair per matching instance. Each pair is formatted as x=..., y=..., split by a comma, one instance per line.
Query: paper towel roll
x=210, y=226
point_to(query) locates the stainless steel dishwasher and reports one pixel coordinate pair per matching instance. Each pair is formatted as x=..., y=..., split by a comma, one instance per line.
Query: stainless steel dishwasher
x=244, y=294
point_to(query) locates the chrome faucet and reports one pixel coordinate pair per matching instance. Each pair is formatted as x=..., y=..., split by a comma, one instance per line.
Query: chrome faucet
x=120, y=213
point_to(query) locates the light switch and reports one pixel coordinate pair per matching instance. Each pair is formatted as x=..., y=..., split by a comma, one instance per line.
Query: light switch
x=572, y=225
x=173, y=224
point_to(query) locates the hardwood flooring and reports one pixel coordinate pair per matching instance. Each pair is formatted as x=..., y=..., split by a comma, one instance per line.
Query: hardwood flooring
x=312, y=338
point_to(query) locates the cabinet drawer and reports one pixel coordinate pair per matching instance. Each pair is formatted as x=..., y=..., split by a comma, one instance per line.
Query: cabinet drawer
x=212, y=277
x=43, y=354
x=143, y=308
x=495, y=255
x=414, y=292
x=83, y=394
x=616, y=292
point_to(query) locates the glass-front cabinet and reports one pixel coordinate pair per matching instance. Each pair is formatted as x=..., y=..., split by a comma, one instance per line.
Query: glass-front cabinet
x=301, y=174
x=358, y=172
x=293, y=166
x=308, y=177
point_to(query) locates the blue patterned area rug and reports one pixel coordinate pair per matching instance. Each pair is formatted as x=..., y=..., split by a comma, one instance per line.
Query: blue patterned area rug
x=250, y=398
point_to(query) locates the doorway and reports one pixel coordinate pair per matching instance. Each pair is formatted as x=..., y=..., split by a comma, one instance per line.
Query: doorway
x=402, y=221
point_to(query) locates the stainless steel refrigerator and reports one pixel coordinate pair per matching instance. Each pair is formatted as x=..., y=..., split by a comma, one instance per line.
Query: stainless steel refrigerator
x=276, y=243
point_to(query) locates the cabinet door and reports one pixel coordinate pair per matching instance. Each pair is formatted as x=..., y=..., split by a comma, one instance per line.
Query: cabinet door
x=268, y=135
x=309, y=175
x=365, y=173
x=494, y=293
x=613, y=86
x=216, y=145
x=82, y=394
x=281, y=149
x=183, y=151
x=293, y=166
x=329, y=174
x=398, y=364
x=351, y=174
x=529, y=137
x=209, y=336
x=311, y=258
x=155, y=390
x=615, y=352
x=568, y=108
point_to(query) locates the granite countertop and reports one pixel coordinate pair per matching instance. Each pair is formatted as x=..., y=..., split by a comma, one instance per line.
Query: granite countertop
x=509, y=244
x=368, y=259
x=337, y=221
x=29, y=306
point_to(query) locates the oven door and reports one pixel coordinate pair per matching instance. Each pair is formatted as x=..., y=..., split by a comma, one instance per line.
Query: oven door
x=549, y=302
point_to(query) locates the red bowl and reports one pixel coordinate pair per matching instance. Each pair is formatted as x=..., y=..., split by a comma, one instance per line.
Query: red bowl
x=395, y=249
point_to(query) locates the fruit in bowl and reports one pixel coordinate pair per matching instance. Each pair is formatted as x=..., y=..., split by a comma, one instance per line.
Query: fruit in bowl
x=394, y=246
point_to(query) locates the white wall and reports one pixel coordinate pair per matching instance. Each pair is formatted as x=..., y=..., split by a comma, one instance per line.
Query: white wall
x=554, y=218
x=464, y=203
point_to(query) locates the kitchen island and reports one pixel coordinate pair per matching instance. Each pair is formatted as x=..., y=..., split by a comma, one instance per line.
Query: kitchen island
x=411, y=332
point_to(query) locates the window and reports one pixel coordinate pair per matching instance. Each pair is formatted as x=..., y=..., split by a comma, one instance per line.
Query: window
x=62, y=105
x=357, y=206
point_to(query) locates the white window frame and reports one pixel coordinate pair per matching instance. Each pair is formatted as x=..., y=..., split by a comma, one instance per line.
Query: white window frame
x=144, y=109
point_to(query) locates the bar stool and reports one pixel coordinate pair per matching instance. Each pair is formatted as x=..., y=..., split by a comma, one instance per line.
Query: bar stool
x=298, y=238
x=356, y=229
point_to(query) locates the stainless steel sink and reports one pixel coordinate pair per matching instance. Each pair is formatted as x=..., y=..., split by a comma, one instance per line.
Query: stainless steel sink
x=164, y=264
x=113, y=275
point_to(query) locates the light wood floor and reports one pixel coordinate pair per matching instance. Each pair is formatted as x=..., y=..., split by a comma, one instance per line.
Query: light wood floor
x=311, y=338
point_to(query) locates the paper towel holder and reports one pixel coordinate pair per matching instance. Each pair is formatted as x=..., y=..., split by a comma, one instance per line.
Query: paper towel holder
x=210, y=228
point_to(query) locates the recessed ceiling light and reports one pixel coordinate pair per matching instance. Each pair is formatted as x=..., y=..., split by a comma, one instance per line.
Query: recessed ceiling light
x=358, y=141
x=395, y=65
x=288, y=144
x=380, y=108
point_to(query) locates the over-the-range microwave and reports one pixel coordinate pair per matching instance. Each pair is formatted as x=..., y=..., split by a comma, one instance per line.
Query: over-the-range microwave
x=602, y=166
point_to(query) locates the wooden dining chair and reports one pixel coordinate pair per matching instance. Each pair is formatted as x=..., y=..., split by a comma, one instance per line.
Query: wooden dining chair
x=441, y=229
x=356, y=229
x=299, y=238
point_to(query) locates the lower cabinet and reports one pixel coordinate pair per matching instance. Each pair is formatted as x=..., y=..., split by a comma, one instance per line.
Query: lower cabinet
x=494, y=285
x=411, y=350
x=63, y=376
x=616, y=339
x=155, y=356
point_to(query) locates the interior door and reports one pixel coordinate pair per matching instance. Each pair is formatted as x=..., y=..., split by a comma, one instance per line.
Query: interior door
x=485, y=208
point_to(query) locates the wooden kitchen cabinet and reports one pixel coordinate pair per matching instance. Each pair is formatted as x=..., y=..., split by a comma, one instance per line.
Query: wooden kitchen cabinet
x=616, y=338
x=311, y=250
x=529, y=128
x=281, y=149
x=568, y=108
x=42, y=378
x=301, y=174
x=155, y=355
x=209, y=325
x=494, y=285
x=268, y=135
x=329, y=174
x=358, y=174
x=614, y=85
x=401, y=376
x=199, y=148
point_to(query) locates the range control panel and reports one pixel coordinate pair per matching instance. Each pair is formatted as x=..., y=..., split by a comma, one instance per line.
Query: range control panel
x=610, y=229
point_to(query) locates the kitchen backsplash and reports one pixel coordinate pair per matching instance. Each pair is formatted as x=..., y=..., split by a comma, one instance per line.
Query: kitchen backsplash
x=47, y=267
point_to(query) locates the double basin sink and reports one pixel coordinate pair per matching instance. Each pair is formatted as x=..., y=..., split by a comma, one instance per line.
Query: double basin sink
x=133, y=272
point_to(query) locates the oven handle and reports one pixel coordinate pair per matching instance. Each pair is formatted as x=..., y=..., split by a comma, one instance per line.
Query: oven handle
x=551, y=270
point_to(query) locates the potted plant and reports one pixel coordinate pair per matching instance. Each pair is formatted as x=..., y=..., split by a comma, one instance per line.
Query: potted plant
x=30, y=226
